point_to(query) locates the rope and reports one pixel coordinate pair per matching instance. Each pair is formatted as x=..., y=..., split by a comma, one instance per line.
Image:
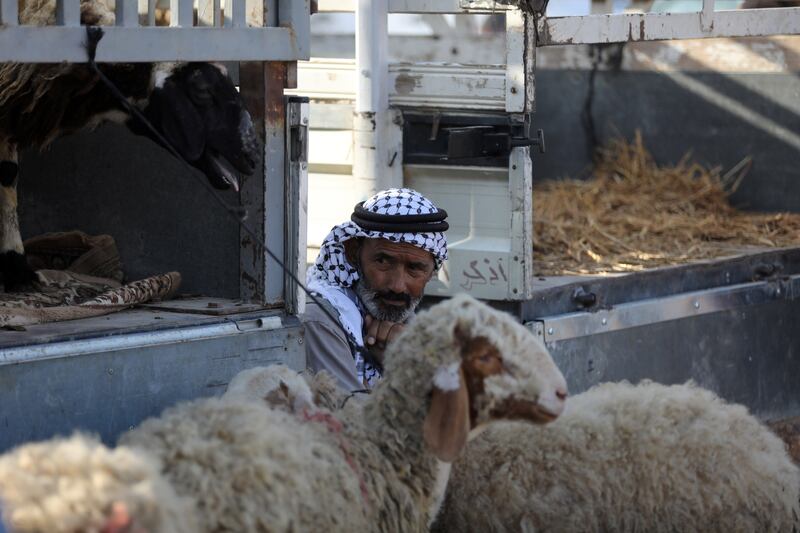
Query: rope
x=239, y=213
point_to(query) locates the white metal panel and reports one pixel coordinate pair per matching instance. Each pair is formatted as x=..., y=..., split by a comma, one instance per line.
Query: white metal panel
x=326, y=79
x=515, y=62
x=481, y=248
x=418, y=6
x=660, y=26
x=707, y=15
x=440, y=86
x=520, y=189
x=55, y=44
x=445, y=86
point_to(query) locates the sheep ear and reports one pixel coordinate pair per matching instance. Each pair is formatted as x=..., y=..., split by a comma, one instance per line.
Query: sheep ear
x=180, y=122
x=446, y=426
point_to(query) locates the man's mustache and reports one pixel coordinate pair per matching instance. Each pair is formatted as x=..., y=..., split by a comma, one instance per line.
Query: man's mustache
x=394, y=297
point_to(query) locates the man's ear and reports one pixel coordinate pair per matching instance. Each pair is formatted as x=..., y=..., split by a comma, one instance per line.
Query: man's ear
x=447, y=423
x=352, y=249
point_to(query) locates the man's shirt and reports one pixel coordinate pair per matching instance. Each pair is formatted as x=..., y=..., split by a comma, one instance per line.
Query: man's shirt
x=327, y=347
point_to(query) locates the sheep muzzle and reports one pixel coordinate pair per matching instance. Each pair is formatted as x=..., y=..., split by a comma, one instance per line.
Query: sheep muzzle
x=516, y=409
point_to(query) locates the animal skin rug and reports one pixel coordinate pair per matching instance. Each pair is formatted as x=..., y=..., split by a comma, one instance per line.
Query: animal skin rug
x=78, y=292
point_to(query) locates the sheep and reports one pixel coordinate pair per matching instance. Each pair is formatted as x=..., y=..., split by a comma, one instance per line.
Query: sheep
x=195, y=106
x=76, y=484
x=283, y=388
x=456, y=368
x=627, y=458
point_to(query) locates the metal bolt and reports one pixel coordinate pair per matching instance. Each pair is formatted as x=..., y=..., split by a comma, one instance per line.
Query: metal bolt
x=696, y=304
x=513, y=90
x=300, y=340
x=514, y=291
x=305, y=120
x=550, y=331
x=604, y=321
x=110, y=371
x=304, y=166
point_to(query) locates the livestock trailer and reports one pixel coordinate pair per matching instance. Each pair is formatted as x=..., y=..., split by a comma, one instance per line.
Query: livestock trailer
x=106, y=374
x=466, y=135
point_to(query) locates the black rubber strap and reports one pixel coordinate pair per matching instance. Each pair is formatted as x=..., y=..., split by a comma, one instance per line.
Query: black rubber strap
x=366, y=214
x=427, y=223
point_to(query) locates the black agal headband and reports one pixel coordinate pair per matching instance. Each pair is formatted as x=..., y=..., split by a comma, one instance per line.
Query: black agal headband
x=422, y=223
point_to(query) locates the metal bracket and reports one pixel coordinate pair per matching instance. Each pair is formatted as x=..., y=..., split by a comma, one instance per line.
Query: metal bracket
x=478, y=141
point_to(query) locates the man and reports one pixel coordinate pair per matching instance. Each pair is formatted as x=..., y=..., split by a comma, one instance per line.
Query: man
x=369, y=277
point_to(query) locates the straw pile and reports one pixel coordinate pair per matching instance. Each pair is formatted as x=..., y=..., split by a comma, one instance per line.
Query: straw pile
x=633, y=215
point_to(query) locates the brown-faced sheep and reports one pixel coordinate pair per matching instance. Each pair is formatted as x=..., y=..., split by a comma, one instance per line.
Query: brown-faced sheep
x=627, y=458
x=456, y=368
x=194, y=106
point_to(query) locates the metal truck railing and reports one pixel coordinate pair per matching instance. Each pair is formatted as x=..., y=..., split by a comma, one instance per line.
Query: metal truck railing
x=230, y=32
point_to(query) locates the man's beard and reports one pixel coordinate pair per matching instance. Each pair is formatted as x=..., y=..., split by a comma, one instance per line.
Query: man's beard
x=372, y=301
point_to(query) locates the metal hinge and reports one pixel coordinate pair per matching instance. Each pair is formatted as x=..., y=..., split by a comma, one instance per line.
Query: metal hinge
x=479, y=141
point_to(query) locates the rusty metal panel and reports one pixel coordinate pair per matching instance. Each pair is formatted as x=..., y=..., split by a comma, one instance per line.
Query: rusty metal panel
x=592, y=29
x=263, y=193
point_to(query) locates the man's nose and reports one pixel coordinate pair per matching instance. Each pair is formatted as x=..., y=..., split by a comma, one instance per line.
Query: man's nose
x=397, y=283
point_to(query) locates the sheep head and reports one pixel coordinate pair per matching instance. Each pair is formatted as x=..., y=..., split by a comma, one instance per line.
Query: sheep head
x=484, y=366
x=196, y=107
x=276, y=385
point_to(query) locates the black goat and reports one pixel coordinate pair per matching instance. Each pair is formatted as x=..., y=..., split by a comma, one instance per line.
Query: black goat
x=194, y=106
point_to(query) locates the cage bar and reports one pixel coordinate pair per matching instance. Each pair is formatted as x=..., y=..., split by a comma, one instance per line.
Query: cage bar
x=181, y=13
x=8, y=13
x=239, y=15
x=126, y=13
x=68, y=13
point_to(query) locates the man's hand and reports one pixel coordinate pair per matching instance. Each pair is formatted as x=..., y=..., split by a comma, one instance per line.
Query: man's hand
x=379, y=333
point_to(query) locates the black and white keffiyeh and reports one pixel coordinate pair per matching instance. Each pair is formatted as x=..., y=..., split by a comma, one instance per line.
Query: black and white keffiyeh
x=397, y=215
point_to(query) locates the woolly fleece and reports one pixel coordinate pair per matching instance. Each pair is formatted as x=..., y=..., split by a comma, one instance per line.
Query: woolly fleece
x=627, y=458
x=68, y=485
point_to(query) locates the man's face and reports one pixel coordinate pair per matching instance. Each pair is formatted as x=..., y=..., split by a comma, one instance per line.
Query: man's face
x=393, y=276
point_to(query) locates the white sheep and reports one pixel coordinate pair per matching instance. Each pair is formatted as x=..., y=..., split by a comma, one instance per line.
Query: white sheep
x=457, y=367
x=195, y=106
x=77, y=484
x=283, y=388
x=277, y=385
x=627, y=458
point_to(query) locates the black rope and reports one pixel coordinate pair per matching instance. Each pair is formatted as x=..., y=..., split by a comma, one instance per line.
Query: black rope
x=93, y=36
